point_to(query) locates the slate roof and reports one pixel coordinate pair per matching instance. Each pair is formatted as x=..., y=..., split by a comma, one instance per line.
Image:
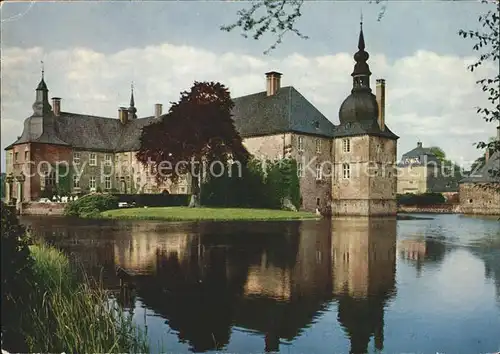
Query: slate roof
x=83, y=132
x=486, y=172
x=254, y=115
x=363, y=127
x=289, y=111
x=424, y=156
x=285, y=111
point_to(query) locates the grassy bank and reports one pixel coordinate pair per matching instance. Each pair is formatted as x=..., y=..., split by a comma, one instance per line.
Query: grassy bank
x=65, y=315
x=212, y=214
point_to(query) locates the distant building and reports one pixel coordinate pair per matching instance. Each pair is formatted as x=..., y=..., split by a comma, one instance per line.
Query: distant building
x=420, y=171
x=480, y=191
x=350, y=168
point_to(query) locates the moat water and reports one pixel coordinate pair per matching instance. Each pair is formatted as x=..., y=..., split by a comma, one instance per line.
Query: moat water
x=328, y=286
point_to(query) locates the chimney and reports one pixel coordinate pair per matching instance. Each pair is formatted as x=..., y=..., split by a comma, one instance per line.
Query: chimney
x=56, y=106
x=419, y=144
x=380, y=90
x=158, y=110
x=498, y=133
x=273, y=80
x=123, y=115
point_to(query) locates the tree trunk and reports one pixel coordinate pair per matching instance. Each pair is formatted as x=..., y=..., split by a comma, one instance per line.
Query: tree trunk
x=195, y=192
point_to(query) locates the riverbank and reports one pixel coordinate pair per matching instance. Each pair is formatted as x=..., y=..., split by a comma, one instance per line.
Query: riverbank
x=431, y=209
x=205, y=214
x=61, y=313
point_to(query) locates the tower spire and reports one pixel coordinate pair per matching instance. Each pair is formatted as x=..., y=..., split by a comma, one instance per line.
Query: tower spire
x=132, y=102
x=132, y=110
x=361, y=40
x=361, y=73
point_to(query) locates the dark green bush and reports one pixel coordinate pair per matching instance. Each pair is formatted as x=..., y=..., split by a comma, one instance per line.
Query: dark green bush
x=91, y=205
x=255, y=188
x=16, y=275
x=423, y=199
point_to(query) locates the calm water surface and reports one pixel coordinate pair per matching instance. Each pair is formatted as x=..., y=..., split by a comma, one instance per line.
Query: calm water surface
x=347, y=285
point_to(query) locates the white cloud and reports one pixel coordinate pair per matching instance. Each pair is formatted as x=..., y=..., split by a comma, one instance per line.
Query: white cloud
x=430, y=97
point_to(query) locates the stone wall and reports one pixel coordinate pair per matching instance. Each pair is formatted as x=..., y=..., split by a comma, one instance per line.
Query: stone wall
x=476, y=198
x=312, y=189
x=364, y=207
x=267, y=147
x=34, y=208
x=430, y=209
x=371, y=188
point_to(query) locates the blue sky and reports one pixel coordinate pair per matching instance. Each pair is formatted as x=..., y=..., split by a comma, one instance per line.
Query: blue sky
x=93, y=50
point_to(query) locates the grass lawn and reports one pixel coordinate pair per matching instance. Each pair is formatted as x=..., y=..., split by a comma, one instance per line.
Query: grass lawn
x=213, y=214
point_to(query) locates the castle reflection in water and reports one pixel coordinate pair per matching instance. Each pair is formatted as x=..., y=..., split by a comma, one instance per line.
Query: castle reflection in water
x=272, y=278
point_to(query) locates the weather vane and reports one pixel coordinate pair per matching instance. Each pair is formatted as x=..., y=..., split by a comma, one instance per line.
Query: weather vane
x=361, y=18
x=43, y=69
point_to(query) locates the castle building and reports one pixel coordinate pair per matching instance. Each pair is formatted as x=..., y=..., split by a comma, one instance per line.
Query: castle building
x=420, y=171
x=79, y=153
x=349, y=168
x=480, y=191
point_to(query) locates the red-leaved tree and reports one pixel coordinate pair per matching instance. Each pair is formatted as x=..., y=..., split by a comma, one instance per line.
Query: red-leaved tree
x=197, y=130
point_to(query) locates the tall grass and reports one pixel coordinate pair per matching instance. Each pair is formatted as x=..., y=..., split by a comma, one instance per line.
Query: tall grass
x=67, y=315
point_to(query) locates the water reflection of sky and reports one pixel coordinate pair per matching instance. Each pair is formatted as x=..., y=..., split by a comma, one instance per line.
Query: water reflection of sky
x=313, y=287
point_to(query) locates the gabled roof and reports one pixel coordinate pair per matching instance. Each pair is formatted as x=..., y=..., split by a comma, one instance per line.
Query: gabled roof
x=419, y=156
x=489, y=172
x=285, y=111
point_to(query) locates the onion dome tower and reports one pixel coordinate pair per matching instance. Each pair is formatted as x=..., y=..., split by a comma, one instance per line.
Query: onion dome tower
x=361, y=104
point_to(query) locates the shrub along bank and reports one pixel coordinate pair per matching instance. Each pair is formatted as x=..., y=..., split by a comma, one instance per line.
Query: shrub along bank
x=424, y=199
x=46, y=309
x=256, y=185
x=91, y=205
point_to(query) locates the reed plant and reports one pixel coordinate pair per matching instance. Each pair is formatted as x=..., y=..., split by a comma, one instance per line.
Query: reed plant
x=65, y=314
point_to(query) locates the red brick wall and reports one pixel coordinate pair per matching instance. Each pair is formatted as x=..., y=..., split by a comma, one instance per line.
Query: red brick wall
x=49, y=153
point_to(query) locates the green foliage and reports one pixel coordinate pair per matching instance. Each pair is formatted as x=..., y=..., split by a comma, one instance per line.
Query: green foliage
x=199, y=127
x=282, y=182
x=65, y=315
x=487, y=44
x=16, y=273
x=423, y=199
x=91, y=205
x=276, y=17
x=257, y=187
x=2, y=185
x=64, y=182
x=438, y=152
x=235, y=188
